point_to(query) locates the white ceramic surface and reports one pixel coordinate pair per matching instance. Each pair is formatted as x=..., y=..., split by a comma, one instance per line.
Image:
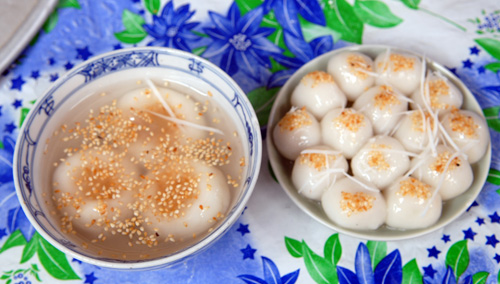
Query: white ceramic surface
x=20, y=21
x=282, y=167
x=118, y=69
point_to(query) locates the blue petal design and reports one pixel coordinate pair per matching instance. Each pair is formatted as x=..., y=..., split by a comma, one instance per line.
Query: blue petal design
x=491, y=92
x=299, y=47
x=6, y=158
x=228, y=62
x=214, y=33
x=291, y=277
x=234, y=14
x=17, y=220
x=263, y=32
x=389, y=270
x=167, y=10
x=321, y=45
x=346, y=276
x=363, y=265
x=279, y=78
x=286, y=15
x=8, y=196
x=271, y=272
x=250, y=279
x=267, y=5
x=265, y=47
x=311, y=11
x=249, y=63
x=449, y=277
x=289, y=62
x=468, y=280
x=250, y=22
x=221, y=23
x=216, y=48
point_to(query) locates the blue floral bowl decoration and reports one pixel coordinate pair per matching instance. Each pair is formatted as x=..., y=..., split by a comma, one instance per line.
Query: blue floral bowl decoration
x=31, y=169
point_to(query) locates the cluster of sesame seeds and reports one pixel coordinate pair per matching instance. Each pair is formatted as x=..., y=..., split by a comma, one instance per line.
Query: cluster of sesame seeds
x=418, y=121
x=462, y=123
x=442, y=159
x=295, y=119
x=415, y=188
x=385, y=98
x=376, y=160
x=438, y=88
x=359, y=66
x=350, y=120
x=210, y=150
x=358, y=202
x=401, y=62
x=163, y=187
x=318, y=77
x=316, y=160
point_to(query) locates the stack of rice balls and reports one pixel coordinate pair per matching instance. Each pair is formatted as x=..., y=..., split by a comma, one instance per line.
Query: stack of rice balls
x=380, y=141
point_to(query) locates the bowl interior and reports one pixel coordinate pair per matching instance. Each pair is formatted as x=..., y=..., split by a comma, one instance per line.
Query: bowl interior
x=116, y=73
x=282, y=167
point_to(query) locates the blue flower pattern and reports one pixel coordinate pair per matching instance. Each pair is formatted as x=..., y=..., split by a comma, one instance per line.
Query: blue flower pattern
x=287, y=12
x=172, y=29
x=271, y=275
x=239, y=43
x=9, y=204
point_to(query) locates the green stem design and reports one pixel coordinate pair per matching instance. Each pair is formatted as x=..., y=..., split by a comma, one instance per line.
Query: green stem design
x=444, y=19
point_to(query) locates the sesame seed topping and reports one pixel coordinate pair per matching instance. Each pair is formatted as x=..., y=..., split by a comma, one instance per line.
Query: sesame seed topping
x=385, y=98
x=439, y=163
x=376, y=159
x=359, y=66
x=315, y=160
x=317, y=77
x=418, y=122
x=438, y=88
x=358, y=202
x=399, y=63
x=350, y=120
x=463, y=124
x=295, y=120
x=415, y=188
x=163, y=188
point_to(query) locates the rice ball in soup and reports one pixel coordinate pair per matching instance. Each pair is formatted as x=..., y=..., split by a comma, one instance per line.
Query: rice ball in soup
x=439, y=94
x=353, y=71
x=346, y=130
x=383, y=105
x=411, y=204
x=352, y=206
x=318, y=92
x=415, y=130
x=402, y=71
x=447, y=171
x=468, y=131
x=296, y=131
x=316, y=169
x=380, y=161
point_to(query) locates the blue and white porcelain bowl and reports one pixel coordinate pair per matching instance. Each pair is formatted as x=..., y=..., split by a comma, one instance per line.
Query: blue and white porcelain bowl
x=118, y=69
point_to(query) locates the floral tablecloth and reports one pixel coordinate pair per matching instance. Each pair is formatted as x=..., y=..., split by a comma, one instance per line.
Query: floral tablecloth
x=260, y=43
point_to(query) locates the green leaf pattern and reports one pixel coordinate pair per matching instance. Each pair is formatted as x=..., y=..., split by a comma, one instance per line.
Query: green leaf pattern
x=376, y=13
x=378, y=250
x=458, y=257
x=53, y=261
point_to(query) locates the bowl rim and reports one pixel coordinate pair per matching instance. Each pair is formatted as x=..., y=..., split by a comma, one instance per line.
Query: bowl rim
x=301, y=201
x=233, y=214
